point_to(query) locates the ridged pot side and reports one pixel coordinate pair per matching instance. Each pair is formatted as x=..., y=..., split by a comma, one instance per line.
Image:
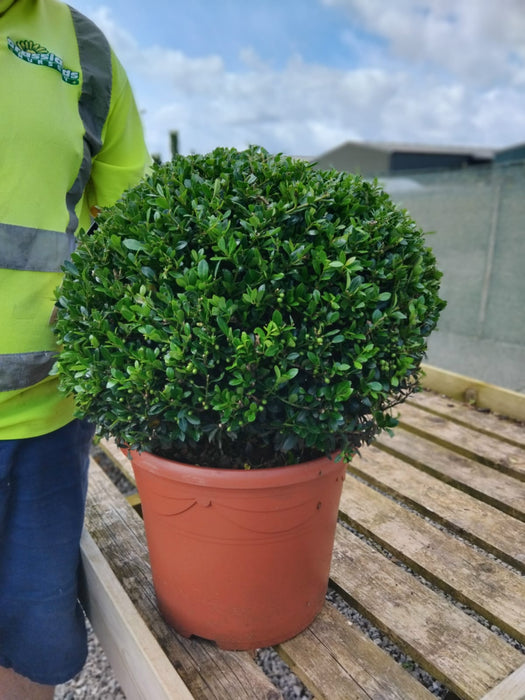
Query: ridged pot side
x=239, y=557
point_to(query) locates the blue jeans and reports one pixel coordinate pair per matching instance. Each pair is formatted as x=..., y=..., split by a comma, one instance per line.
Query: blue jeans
x=43, y=485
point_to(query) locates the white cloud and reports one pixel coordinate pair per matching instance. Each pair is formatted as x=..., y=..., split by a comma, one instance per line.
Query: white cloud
x=440, y=71
x=473, y=40
x=167, y=66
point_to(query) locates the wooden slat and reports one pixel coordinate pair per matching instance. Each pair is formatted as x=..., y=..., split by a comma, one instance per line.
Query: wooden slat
x=134, y=500
x=210, y=673
x=136, y=658
x=464, y=414
x=118, y=458
x=496, y=532
x=338, y=662
x=457, y=386
x=512, y=688
x=488, y=450
x=473, y=578
x=451, y=645
x=333, y=658
x=500, y=490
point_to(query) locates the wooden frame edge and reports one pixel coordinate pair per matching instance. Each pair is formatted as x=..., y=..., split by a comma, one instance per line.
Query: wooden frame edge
x=512, y=688
x=140, y=665
x=480, y=394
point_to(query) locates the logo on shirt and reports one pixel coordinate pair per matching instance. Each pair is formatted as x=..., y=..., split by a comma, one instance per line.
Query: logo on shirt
x=35, y=53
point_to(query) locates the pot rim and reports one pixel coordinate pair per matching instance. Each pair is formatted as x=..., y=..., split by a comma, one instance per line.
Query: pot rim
x=245, y=478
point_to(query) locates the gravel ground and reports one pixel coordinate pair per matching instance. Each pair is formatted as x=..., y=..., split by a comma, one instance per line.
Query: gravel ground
x=96, y=681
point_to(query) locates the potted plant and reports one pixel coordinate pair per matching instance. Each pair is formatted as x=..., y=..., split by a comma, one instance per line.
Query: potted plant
x=243, y=322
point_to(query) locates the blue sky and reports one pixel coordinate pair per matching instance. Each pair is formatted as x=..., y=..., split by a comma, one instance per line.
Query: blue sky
x=303, y=76
x=274, y=29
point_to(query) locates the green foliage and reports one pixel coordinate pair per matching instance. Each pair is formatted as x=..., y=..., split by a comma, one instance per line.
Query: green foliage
x=245, y=309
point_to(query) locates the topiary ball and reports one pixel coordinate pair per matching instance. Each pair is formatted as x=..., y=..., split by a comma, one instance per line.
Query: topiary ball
x=248, y=310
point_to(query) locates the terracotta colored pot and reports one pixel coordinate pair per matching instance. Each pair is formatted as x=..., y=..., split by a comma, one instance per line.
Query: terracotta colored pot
x=239, y=557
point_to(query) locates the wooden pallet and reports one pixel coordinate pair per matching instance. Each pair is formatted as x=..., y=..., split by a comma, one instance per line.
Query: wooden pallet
x=430, y=549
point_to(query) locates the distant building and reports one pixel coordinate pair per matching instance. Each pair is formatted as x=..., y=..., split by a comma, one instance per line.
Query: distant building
x=512, y=153
x=369, y=158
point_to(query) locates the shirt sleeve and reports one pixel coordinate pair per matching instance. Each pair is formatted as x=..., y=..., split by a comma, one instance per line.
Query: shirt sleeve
x=123, y=158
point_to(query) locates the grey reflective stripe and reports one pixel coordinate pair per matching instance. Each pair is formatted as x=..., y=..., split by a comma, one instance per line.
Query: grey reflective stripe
x=24, y=369
x=34, y=249
x=93, y=106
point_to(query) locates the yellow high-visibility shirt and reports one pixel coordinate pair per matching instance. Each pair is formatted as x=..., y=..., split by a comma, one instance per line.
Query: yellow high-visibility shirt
x=70, y=139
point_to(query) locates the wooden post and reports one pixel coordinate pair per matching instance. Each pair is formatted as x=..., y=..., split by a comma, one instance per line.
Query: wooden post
x=174, y=143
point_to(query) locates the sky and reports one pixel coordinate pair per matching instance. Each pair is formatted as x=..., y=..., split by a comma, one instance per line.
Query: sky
x=301, y=77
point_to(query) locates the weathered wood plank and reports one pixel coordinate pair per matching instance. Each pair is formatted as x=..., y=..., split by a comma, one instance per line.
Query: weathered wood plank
x=496, y=532
x=338, y=662
x=332, y=657
x=118, y=458
x=506, y=458
x=451, y=645
x=473, y=578
x=457, y=386
x=136, y=658
x=500, y=490
x=210, y=673
x=512, y=688
x=483, y=421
